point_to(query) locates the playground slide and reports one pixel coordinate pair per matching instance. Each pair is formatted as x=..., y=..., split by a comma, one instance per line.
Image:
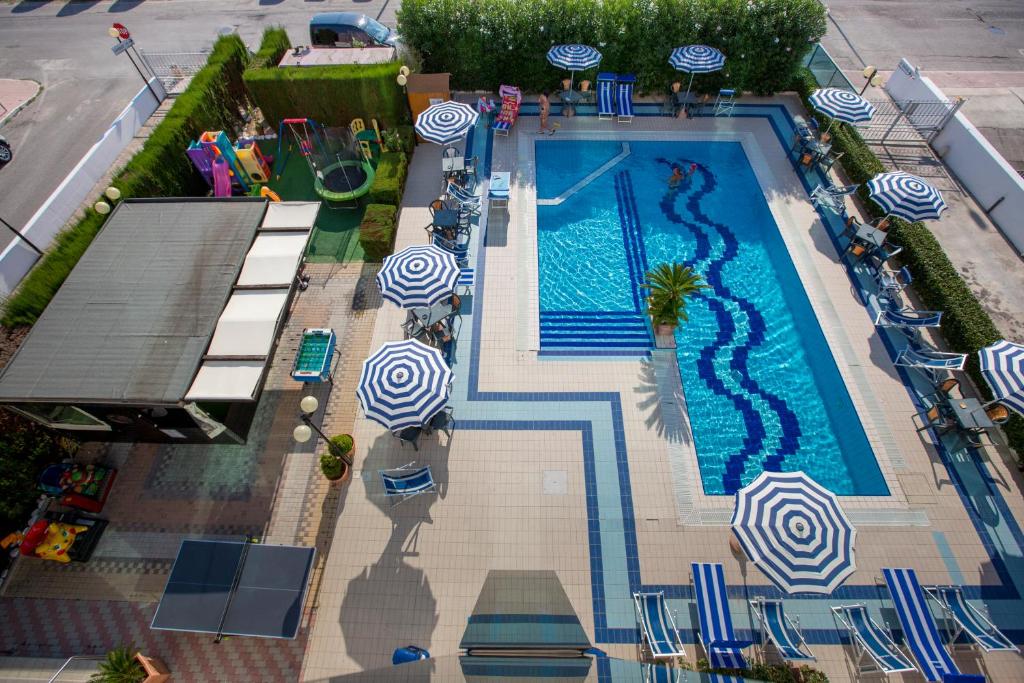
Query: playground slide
x=221, y=178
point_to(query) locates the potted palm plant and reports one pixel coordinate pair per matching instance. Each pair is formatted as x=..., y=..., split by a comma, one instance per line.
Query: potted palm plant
x=669, y=285
x=121, y=666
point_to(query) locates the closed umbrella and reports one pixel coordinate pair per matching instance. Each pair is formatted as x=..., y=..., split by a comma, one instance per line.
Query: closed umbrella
x=404, y=384
x=1002, y=365
x=418, y=276
x=793, y=529
x=907, y=196
x=445, y=122
x=574, y=57
x=696, y=59
x=841, y=105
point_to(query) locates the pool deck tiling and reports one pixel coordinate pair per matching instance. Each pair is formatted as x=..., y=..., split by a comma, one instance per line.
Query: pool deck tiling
x=632, y=514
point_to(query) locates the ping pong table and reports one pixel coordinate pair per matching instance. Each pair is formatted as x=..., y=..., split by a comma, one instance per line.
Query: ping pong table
x=236, y=588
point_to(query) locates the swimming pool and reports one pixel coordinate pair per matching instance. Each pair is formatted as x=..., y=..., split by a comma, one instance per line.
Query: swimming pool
x=762, y=388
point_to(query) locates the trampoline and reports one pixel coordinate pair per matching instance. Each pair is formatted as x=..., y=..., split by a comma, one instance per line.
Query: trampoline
x=344, y=181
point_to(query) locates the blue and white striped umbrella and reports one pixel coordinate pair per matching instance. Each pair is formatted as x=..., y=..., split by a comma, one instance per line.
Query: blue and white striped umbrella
x=842, y=105
x=445, y=122
x=574, y=57
x=418, y=276
x=404, y=384
x=1002, y=364
x=907, y=196
x=795, y=532
x=696, y=59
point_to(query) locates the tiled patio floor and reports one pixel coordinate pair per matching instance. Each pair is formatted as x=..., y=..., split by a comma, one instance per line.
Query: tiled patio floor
x=411, y=574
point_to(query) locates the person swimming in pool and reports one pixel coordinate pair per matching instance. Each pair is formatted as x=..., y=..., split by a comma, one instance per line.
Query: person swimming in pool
x=676, y=178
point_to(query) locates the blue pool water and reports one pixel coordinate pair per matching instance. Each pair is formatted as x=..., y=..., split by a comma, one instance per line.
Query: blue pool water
x=762, y=388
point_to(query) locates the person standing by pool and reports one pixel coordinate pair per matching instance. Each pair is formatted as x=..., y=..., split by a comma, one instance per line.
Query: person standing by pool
x=545, y=111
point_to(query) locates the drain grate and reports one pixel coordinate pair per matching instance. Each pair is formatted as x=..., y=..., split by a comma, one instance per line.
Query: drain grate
x=556, y=482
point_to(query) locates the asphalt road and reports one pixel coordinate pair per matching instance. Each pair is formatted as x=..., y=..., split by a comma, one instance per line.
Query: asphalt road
x=64, y=45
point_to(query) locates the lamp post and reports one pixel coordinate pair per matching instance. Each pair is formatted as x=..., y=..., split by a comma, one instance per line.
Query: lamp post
x=304, y=432
x=872, y=78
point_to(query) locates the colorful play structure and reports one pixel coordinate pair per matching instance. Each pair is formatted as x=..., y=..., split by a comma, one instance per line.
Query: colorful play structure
x=337, y=158
x=229, y=169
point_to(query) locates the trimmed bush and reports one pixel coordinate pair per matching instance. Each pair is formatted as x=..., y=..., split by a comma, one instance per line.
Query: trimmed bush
x=332, y=95
x=485, y=44
x=408, y=138
x=966, y=326
x=212, y=101
x=377, y=231
x=274, y=44
x=389, y=182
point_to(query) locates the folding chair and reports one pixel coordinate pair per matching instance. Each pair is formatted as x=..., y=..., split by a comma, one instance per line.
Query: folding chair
x=781, y=631
x=402, y=483
x=624, y=97
x=832, y=197
x=970, y=621
x=724, y=650
x=605, y=95
x=891, y=283
x=919, y=629
x=909, y=321
x=929, y=362
x=658, y=631
x=868, y=638
x=725, y=102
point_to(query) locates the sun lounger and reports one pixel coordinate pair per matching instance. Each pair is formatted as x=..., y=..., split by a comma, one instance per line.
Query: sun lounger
x=724, y=650
x=624, y=97
x=402, y=483
x=919, y=629
x=498, y=189
x=929, y=361
x=910, y=322
x=605, y=95
x=970, y=621
x=511, y=99
x=868, y=638
x=459, y=248
x=779, y=630
x=466, y=200
x=832, y=198
x=657, y=627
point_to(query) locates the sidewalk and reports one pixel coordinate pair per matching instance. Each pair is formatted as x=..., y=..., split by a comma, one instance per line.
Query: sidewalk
x=14, y=95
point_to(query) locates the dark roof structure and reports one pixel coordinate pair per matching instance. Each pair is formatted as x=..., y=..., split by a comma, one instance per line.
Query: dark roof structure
x=133, y=320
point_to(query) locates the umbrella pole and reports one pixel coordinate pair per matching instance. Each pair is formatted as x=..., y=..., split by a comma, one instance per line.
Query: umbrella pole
x=572, y=75
x=686, y=98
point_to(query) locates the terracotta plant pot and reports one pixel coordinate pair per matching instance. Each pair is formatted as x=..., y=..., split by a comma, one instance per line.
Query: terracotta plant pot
x=156, y=670
x=664, y=330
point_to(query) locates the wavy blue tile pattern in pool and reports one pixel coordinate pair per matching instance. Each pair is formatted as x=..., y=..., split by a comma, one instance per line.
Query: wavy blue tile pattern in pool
x=763, y=391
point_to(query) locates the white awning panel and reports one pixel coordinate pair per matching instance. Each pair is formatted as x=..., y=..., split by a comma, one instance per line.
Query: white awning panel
x=291, y=215
x=226, y=380
x=273, y=259
x=247, y=325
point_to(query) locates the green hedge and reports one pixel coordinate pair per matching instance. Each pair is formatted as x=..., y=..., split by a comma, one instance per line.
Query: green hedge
x=274, y=44
x=377, y=231
x=965, y=324
x=212, y=101
x=389, y=181
x=332, y=95
x=485, y=44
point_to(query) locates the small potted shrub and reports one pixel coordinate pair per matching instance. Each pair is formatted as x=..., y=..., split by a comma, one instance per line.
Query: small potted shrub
x=121, y=666
x=336, y=463
x=669, y=286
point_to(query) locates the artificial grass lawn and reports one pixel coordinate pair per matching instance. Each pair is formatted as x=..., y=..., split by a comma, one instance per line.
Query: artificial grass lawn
x=336, y=235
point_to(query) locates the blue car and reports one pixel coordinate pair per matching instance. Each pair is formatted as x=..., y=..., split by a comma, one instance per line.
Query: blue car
x=349, y=29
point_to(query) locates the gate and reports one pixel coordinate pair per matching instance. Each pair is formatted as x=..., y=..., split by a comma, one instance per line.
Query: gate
x=175, y=69
x=908, y=121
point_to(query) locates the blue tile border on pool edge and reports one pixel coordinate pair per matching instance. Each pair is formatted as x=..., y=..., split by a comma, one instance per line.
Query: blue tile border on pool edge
x=1007, y=590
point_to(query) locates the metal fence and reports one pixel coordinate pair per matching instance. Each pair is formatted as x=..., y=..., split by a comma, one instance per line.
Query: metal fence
x=825, y=71
x=174, y=69
x=909, y=120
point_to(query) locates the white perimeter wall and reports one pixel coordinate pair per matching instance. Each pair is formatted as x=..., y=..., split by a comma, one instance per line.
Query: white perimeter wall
x=17, y=259
x=976, y=163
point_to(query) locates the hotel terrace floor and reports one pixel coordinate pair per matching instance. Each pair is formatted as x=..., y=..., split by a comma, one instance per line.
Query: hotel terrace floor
x=585, y=465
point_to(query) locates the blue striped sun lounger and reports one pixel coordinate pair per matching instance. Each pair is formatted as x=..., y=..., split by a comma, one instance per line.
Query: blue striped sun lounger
x=780, y=631
x=724, y=650
x=605, y=95
x=657, y=627
x=929, y=361
x=402, y=483
x=624, y=97
x=868, y=638
x=970, y=621
x=909, y=319
x=919, y=629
